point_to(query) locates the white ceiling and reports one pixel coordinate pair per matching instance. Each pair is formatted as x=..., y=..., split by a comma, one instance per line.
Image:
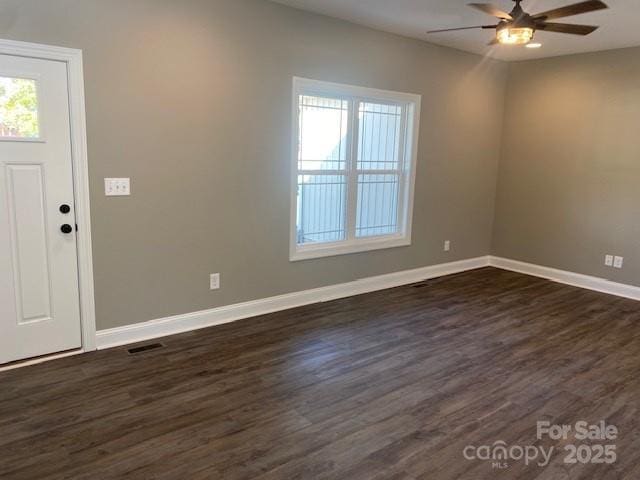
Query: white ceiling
x=619, y=25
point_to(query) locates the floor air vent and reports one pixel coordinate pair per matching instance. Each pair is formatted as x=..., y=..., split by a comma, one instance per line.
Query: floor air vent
x=145, y=348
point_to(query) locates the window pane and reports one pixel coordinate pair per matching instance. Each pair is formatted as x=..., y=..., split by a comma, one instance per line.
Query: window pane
x=18, y=108
x=323, y=133
x=377, y=205
x=321, y=208
x=379, y=136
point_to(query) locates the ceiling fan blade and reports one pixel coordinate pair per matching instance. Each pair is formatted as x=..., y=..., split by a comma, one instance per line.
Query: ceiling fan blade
x=566, y=28
x=569, y=10
x=461, y=28
x=491, y=10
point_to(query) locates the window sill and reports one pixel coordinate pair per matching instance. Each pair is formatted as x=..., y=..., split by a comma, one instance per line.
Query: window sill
x=347, y=247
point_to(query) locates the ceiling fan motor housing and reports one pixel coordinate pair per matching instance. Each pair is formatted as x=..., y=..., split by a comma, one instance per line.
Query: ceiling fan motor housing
x=521, y=19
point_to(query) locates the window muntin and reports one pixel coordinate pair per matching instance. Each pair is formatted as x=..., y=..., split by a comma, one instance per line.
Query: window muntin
x=354, y=168
x=19, y=109
x=377, y=207
x=379, y=136
x=379, y=168
x=321, y=208
x=329, y=150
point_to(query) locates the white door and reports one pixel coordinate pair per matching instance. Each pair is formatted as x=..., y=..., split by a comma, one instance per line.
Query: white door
x=39, y=296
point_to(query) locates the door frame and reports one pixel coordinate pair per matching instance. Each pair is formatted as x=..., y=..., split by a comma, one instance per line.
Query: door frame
x=77, y=116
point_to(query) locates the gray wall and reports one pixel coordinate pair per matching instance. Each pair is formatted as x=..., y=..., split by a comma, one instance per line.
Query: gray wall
x=569, y=179
x=191, y=99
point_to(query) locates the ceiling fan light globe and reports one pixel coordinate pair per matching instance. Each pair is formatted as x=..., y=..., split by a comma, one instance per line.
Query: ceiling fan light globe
x=515, y=35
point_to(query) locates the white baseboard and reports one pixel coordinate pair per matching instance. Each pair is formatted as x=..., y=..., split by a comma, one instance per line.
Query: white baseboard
x=192, y=321
x=569, y=278
x=163, y=327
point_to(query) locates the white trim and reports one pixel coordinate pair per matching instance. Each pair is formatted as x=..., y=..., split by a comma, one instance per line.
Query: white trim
x=569, y=278
x=409, y=158
x=411, y=164
x=75, y=79
x=345, y=247
x=321, y=87
x=217, y=316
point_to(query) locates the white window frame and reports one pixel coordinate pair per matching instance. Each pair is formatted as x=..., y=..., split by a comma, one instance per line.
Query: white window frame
x=409, y=155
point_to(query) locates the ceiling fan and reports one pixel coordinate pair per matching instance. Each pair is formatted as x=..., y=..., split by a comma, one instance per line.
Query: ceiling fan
x=518, y=27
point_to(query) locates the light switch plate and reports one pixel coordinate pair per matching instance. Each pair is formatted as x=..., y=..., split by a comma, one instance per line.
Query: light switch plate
x=608, y=260
x=618, y=261
x=214, y=281
x=117, y=187
x=447, y=245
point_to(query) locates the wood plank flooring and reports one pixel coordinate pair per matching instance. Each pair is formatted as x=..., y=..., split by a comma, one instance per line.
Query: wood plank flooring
x=385, y=386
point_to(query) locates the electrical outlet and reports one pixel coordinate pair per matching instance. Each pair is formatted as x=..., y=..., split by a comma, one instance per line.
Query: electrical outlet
x=608, y=260
x=214, y=281
x=117, y=187
x=447, y=245
x=617, y=262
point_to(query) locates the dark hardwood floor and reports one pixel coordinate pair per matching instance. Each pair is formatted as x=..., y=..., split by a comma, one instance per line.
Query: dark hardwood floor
x=390, y=385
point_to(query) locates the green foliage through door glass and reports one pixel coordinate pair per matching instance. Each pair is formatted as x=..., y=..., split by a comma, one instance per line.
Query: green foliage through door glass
x=18, y=108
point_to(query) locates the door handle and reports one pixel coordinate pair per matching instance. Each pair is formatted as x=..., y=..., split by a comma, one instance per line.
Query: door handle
x=66, y=228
